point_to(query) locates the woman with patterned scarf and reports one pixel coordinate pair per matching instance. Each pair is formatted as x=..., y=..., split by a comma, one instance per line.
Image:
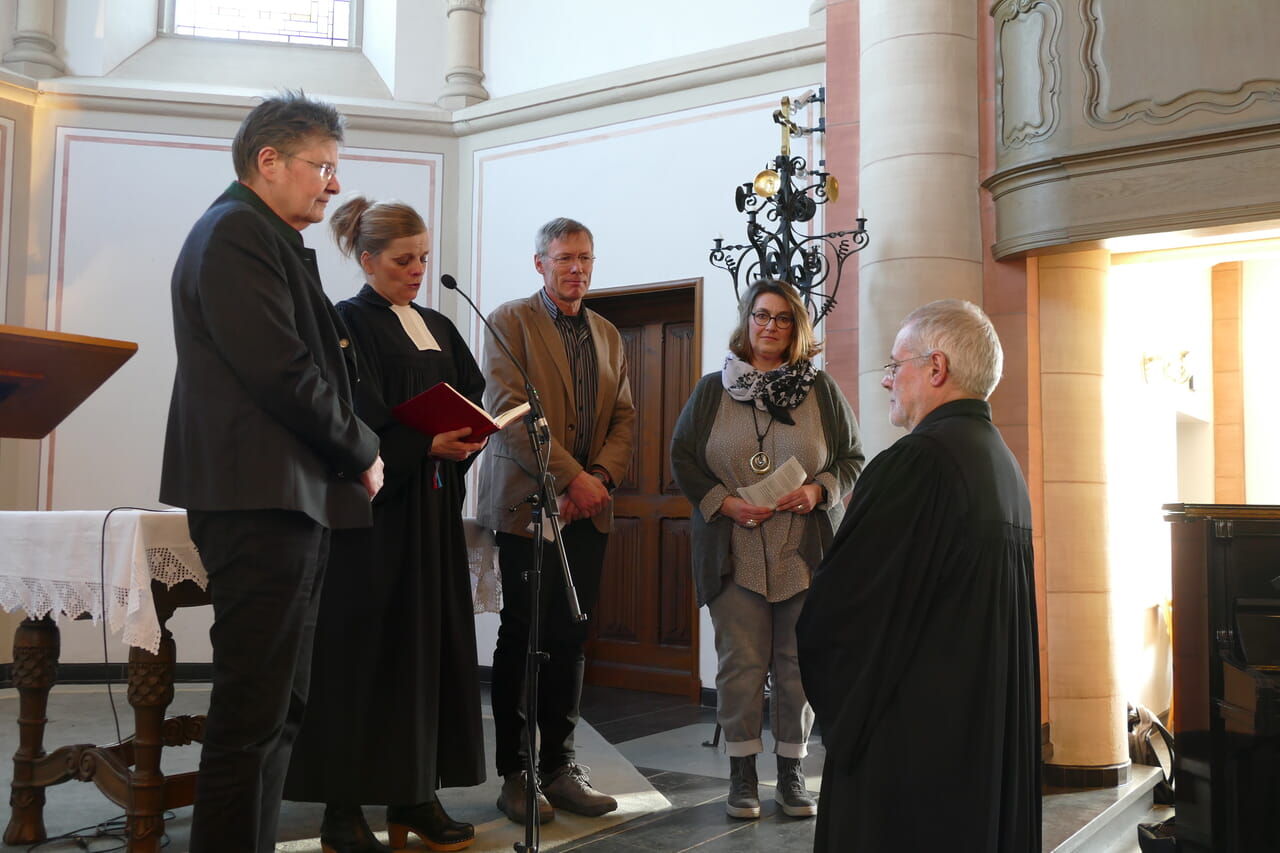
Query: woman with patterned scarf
x=752, y=563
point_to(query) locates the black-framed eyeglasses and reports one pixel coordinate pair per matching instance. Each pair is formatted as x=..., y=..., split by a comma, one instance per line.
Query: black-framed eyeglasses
x=891, y=369
x=327, y=170
x=566, y=261
x=782, y=321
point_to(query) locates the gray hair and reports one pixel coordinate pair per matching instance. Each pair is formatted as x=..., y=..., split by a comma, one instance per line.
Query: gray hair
x=286, y=122
x=961, y=331
x=559, y=227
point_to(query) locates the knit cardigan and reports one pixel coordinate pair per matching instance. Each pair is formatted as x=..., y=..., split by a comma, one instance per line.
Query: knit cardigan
x=710, y=539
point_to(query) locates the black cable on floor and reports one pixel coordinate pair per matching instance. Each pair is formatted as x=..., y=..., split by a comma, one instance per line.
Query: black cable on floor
x=93, y=838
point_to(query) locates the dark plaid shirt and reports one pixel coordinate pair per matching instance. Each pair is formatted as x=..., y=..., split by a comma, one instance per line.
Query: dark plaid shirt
x=580, y=351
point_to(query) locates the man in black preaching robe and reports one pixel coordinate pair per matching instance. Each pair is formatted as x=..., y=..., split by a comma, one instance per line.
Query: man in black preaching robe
x=918, y=641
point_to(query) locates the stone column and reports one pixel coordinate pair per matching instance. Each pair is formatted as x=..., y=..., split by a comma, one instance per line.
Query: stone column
x=1086, y=705
x=462, y=80
x=840, y=144
x=34, y=52
x=918, y=183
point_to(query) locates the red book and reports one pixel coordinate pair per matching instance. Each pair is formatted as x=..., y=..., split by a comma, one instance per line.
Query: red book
x=441, y=408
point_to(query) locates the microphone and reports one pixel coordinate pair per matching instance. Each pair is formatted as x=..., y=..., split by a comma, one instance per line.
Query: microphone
x=535, y=404
x=539, y=434
x=452, y=284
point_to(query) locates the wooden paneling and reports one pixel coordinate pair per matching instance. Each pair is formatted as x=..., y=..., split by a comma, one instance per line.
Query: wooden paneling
x=675, y=620
x=677, y=349
x=618, y=615
x=644, y=631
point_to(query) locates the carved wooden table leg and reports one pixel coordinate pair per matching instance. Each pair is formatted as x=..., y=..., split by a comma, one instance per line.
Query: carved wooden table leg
x=36, y=644
x=150, y=693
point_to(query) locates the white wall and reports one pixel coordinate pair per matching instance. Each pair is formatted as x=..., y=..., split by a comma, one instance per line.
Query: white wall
x=405, y=40
x=532, y=45
x=224, y=66
x=655, y=192
x=97, y=35
x=1260, y=308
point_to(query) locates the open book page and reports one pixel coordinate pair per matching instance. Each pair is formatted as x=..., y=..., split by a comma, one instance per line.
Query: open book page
x=511, y=415
x=789, y=477
x=500, y=421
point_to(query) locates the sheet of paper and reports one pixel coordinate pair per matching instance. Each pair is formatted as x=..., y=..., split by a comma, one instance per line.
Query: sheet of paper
x=788, y=477
x=548, y=533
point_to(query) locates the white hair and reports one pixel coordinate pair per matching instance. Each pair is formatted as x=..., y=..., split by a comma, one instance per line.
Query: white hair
x=961, y=331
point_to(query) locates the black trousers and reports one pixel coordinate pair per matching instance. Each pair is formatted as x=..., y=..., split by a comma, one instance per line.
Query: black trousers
x=265, y=572
x=560, y=677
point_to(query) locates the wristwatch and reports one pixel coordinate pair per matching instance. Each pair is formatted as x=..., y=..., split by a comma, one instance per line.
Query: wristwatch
x=602, y=474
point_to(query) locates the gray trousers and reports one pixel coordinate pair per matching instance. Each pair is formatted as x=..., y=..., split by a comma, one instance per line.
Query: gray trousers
x=754, y=639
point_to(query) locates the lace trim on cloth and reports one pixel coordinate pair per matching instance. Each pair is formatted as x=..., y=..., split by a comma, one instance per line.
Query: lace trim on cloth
x=96, y=563
x=54, y=562
x=486, y=581
x=38, y=597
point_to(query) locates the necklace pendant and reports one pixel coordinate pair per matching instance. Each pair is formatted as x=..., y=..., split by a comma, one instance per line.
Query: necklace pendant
x=760, y=463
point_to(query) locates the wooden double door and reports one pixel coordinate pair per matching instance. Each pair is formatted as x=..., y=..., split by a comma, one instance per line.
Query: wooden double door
x=645, y=629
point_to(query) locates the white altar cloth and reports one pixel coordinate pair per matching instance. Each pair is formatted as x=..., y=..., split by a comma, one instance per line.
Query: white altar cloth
x=66, y=562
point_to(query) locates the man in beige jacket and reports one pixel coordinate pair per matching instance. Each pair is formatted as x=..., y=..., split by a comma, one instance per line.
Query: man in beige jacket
x=577, y=365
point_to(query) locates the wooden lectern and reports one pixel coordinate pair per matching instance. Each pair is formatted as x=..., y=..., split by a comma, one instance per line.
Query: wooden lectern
x=44, y=376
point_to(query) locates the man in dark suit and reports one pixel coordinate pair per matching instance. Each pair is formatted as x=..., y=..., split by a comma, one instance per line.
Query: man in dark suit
x=918, y=644
x=264, y=451
x=576, y=361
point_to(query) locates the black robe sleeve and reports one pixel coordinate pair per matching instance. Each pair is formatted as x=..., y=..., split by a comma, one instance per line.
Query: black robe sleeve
x=874, y=586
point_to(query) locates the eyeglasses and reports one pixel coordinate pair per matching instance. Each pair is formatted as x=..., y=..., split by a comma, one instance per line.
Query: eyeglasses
x=566, y=261
x=782, y=321
x=327, y=170
x=891, y=369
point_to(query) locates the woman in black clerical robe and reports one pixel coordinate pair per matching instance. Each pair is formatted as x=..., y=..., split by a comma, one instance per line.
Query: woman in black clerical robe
x=394, y=707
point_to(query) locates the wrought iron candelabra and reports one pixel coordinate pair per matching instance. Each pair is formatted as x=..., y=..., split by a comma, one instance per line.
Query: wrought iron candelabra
x=775, y=202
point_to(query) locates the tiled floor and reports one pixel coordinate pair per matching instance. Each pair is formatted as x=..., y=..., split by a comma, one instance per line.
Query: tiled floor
x=635, y=740
x=663, y=737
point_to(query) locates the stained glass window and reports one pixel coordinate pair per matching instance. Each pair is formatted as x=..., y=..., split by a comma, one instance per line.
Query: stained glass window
x=317, y=22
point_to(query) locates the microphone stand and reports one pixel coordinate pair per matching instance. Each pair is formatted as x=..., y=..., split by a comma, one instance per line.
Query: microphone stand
x=543, y=502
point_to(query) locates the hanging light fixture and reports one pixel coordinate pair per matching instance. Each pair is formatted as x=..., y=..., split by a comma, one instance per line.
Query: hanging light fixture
x=784, y=194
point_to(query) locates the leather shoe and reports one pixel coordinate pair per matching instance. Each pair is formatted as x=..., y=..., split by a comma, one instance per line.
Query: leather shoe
x=343, y=830
x=569, y=788
x=512, y=800
x=431, y=823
